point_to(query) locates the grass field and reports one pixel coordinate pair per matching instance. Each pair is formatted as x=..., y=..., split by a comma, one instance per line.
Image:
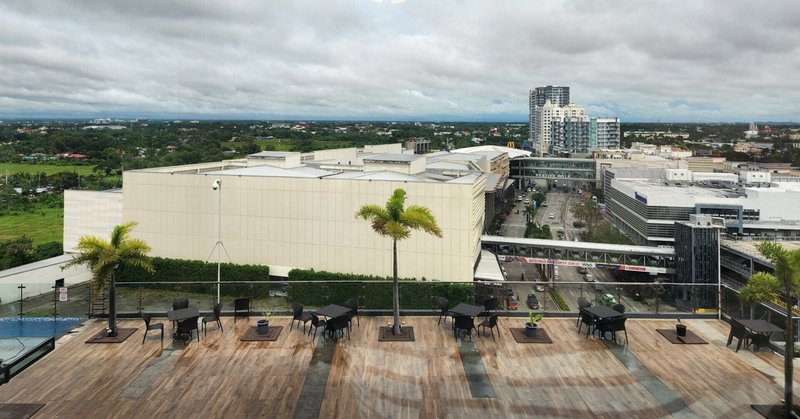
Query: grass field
x=48, y=169
x=42, y=225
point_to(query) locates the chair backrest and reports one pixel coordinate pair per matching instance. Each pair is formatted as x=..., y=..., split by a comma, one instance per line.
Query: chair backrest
x=179, y=303
x=352, y=304
x=444, y=304
x=297, y=310
x=314, y=320
x=188, y=324
x=583, y=303
x=241, y=304
x=619, y=307
x=340, y=322
x=217, y=310
x=490, y=303
x=617, y=324
x=147, y=317
x=493, y=320
x=738, y=329
x=463, y=322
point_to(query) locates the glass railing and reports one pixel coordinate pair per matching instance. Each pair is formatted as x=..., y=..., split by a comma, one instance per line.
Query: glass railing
x=640, y=299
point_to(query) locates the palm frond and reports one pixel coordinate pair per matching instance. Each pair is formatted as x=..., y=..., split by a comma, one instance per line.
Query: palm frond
x=420, y=218
x=397, y=230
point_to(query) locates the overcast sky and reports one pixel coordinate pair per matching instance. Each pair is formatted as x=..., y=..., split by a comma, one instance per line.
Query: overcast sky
x=640, y=60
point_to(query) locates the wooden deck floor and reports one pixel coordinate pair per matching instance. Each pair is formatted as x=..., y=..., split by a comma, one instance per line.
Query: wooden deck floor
x=573, y=377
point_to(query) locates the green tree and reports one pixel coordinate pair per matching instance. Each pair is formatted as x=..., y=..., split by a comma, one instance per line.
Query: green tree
x=587, y=212
x=105, y=257
x=784, y=285
x=396, y=222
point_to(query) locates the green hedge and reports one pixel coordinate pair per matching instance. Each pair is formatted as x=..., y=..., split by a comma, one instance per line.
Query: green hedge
x=178, y=270
x=413, y=294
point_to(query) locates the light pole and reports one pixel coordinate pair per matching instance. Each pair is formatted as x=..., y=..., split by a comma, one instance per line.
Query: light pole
x=217, y=185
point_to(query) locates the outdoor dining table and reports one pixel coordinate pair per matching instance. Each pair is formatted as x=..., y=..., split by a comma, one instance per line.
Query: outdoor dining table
x=600, y=312
x=332, y=311
x=469, y=310
x=761, y=330
x=182, y=314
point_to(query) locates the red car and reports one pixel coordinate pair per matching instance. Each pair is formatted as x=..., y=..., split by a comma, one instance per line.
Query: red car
x=511, y=303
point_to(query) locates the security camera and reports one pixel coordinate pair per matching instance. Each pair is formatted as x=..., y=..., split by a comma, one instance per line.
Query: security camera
x=217, y=183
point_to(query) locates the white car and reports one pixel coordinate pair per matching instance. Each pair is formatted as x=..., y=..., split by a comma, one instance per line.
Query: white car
x=588, y=278
x=527, y=201
x=551, y=216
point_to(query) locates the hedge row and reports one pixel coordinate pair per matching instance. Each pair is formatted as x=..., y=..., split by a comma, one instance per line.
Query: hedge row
x=413, y=294
x=178, y=270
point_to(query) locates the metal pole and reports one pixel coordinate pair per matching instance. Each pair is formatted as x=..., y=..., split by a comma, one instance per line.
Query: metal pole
x=219, y=238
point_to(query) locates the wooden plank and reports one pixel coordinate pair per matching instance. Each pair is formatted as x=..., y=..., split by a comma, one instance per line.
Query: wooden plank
x=573, y=377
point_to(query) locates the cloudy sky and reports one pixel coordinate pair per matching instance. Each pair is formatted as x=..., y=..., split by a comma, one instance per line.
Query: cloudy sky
x=733, y=60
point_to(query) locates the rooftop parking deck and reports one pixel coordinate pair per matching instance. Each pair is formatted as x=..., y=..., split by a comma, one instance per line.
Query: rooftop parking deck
x=435, y=376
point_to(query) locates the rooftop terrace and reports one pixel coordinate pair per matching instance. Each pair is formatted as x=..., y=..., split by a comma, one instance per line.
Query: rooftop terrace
x=435, y=376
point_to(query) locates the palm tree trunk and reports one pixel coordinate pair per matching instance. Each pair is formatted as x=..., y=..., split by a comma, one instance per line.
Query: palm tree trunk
x=395, y=291
x=112, y=306
x=788, y=361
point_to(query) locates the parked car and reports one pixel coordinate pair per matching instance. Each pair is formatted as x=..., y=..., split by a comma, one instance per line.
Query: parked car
x=532, y=302
x=582, y=270
x=511, y=303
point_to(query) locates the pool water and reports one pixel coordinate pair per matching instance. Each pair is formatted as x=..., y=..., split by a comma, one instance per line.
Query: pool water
x=11, y=327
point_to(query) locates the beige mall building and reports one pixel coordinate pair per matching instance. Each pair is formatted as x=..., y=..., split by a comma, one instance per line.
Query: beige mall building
x=288, y=210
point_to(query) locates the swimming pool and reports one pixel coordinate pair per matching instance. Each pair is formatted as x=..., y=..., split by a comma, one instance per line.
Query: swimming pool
x=11, y=327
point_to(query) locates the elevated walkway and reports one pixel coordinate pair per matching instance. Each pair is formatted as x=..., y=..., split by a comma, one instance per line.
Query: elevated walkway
x=590, y=255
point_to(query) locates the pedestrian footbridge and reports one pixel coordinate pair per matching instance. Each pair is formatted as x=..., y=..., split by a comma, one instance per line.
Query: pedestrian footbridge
x=656, y=260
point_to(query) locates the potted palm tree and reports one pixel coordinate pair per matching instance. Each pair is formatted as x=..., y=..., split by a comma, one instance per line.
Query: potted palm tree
x=262, y=325
x=396, y=222
x=105, y=257
x=532, y=325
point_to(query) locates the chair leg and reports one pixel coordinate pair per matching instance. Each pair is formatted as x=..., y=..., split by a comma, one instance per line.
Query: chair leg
x=162, y=336
x=730, y=338
x=219, y=323
x=145, y=335
x=739, y=345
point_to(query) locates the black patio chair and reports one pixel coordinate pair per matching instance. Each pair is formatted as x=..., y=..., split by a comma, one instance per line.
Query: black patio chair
x=298, y=315
x=353, y=304
x=739, y=332
x=151, y=326
x=588, y=320
x=463, y=323
x=582, y=303
x=213, y=318
x=491, y=323
x=444, y=305
x=316, y=323
x=241, y=308
x=614, y=325
x=619, y=307
x=187, y=328
x=338, y=325
x=489, y=306
x=179, y=303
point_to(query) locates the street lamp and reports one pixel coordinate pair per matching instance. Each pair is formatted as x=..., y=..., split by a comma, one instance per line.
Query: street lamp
x=217, y=185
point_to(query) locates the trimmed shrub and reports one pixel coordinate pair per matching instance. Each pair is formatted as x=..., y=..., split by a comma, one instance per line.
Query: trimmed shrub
x=179, y=270
x=377, y=295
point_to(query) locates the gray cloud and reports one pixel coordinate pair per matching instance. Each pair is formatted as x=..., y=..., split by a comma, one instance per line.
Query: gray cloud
x=640, y=60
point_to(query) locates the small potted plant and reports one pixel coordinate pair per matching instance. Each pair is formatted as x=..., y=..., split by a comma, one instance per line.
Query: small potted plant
x=680, y=329
x=262, y=325
x=531, y=326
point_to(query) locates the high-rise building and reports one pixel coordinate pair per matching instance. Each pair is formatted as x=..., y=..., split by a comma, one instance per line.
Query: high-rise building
x=556, y=95
x=604, y=133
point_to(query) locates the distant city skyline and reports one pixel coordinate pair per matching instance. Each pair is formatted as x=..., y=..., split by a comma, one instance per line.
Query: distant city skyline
x=398, y=61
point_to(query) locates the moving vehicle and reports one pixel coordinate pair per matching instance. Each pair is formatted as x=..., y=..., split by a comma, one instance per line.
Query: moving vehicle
x=527, y=201
x=539, y=287
x=544, y=204
x=588, y=278
x=551, y=216
x=532, y=302
x=582, y=270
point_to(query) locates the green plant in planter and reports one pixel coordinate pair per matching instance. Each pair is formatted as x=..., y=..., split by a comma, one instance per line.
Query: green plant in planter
x=534, y=318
